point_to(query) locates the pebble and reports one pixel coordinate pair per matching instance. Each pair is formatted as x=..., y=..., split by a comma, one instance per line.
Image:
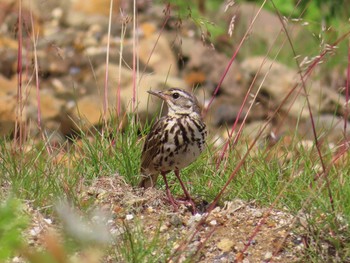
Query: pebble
x=163, y=228
x=225, y=245
x=175, y=221
x=268, y=255
x=48, y=221
x=213, y=222
x=257, y=214
x=150, y=209
x=129, y=217
x=35, y=231
x=194, y=218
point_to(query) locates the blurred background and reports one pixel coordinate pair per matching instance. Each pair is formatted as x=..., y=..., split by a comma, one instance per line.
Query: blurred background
x=162, y=44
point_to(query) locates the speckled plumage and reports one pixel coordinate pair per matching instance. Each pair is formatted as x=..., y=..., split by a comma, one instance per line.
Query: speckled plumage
x=175, y=140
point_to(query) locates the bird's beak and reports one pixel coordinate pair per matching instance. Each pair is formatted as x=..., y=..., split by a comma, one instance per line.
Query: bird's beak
x=157, y=93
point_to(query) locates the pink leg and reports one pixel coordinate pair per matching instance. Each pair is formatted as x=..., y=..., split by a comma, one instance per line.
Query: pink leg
x=188, y=197
x=168, y=193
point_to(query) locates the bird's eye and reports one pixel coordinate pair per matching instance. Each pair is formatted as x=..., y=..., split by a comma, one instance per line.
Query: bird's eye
x=176, y=95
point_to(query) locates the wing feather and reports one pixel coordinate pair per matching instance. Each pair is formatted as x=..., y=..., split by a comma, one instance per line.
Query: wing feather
x=151, y=146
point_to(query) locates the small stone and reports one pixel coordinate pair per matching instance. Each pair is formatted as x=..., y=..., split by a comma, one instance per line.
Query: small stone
x=35, y=231
x=150, y=209
x=176, y=246
x=194, y=218
x=16, y=260
x=268, y=255
x=213, y=222
x=48, y=221
x=257, y=214
x=225, y=245
x=239, y=247
x=163, y=228
x=129, y=217
x=197, y=217
x=175, y=221
x=57, y=13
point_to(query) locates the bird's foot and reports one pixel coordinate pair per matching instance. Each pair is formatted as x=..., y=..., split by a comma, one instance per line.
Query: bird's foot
x=177, y=202
x=190, y=204
x=172, y=201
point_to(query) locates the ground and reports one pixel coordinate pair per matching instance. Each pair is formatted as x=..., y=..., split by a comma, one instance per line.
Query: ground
x=235, y=232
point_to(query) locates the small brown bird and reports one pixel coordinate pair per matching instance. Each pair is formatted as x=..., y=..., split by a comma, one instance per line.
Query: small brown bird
x=174, y=142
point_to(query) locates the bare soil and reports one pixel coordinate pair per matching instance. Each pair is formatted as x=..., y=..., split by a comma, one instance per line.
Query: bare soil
x=236, y=232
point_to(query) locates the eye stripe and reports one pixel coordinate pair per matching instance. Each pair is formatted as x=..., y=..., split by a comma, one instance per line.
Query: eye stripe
x=181, y=92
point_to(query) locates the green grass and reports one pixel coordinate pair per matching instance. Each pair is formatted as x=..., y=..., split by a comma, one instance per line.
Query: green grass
x=12, y=223
x=281, y=175
x=134, y=246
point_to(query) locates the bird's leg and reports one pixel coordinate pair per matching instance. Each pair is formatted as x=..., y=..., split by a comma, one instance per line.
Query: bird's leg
x=168, y=193
x=188, y=197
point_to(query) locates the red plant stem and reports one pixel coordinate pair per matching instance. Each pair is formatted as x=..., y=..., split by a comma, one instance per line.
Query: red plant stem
x=134, y=58
x=311, y=67
x=233, y=58
x=221, y=81
x=237, y=118
x=241, y=108
x=105, y=97
x=118, y=108
x=18, y=125
x=37, y=84
x=325, y=170
x=37, y=81
x=346, y=112
x=200, y=247
x=239, y=165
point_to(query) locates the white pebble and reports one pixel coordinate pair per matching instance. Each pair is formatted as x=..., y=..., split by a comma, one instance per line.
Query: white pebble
x=129, y=217
x=213, y=222
x=48, y=221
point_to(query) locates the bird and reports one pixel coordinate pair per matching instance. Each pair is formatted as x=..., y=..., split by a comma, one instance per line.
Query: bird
x=174, y=141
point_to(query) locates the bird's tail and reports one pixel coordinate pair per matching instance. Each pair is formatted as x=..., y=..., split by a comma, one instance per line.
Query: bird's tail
x=148, y=181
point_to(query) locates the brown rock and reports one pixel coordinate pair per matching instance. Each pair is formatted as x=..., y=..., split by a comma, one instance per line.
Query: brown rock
x=51, y=107
x=7, y=86
x=95, y=6
x=7, y=114
x=278, y=83
x=225, y=110
x=97, y=12
x=266, y=28
x=253, y=129
x=195, y=78
x=8, y=63
x=162, y=60
x=148, y=29
x=281, y=80
x=225, y=245
x=87, y=113
x=212, y=64
x=91, y=106
x=8, y=43
x=328, y=127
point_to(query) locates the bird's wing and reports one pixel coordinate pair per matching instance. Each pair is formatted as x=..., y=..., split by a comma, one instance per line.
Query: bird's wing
x=152, y=144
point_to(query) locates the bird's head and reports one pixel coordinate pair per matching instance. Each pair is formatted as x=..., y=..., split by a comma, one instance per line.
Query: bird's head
x=179, y=102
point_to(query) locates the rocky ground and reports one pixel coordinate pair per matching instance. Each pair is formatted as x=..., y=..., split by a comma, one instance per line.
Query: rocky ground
x=237, y=231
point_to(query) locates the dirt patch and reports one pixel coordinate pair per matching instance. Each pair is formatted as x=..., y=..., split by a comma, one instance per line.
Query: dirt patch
x=237, y=232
